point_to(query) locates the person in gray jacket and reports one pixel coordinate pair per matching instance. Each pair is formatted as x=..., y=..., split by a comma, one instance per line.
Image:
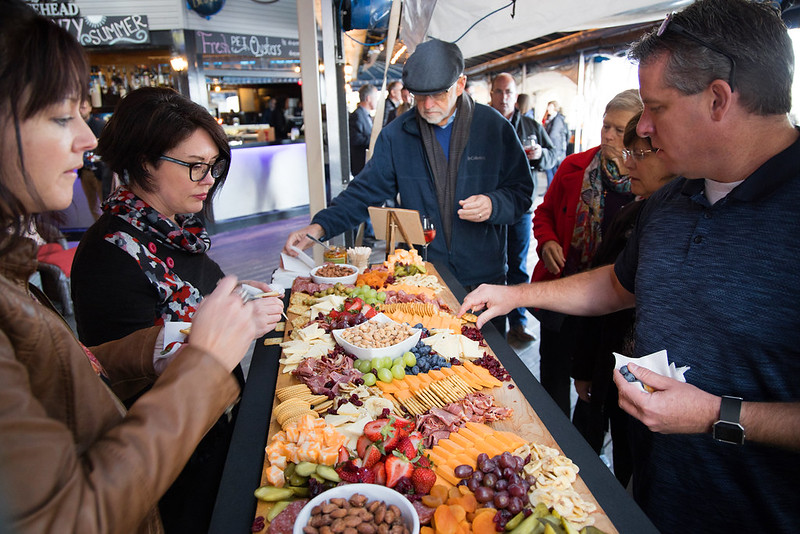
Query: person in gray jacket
x=457, y=162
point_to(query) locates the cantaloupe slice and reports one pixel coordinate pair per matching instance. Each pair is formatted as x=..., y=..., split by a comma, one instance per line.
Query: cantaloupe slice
x=479, y=428
x=448, y=445
x=456, y=437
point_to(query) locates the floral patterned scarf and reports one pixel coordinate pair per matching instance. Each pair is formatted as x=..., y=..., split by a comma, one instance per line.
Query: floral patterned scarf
x=188, y=234
x=600, y=176
x=178, y=298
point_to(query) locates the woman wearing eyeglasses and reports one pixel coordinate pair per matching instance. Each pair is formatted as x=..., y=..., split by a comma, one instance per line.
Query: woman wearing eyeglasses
x=144, y=262
x=587, y=191
x=599, y=337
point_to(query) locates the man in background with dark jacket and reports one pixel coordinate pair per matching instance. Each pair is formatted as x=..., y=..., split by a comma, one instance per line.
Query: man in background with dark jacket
x=361, y=127
x=453, y=160
x=541, y=156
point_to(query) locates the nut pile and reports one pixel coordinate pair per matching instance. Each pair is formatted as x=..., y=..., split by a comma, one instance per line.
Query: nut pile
x=357, y=515
x=375, y=335
x=331, y=270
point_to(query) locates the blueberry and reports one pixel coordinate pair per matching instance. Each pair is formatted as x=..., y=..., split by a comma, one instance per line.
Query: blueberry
x=415, y=369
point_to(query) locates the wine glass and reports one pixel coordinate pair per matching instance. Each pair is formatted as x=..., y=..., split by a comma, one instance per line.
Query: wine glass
x=429, y=231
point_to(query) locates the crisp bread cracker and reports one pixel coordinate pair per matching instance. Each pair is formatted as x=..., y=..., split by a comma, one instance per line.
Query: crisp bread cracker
x=273, y=341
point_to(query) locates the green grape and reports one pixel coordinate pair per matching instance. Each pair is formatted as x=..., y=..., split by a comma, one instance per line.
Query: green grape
x=381, y=296
x=409, y=359
x=363, y=365
x=386, y=362
x=369, y=379
x=372, y=293
x=399, y=371
x=385, y=375
x=398, y=361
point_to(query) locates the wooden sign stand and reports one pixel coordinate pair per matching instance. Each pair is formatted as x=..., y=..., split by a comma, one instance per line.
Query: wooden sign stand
x=387, y=221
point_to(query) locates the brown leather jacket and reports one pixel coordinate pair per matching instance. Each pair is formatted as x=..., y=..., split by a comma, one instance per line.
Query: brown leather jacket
x=71, y=458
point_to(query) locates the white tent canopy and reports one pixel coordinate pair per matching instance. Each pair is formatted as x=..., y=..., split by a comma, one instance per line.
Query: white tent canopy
x=533, y=18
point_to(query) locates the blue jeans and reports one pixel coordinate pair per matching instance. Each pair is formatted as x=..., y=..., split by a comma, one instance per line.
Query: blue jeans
x=550, y=173
x=518, y=243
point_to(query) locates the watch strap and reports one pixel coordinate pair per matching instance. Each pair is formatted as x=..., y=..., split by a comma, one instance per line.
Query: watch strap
x=730, y=409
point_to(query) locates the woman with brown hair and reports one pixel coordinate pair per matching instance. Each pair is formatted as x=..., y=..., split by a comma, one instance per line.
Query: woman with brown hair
x=76, y=460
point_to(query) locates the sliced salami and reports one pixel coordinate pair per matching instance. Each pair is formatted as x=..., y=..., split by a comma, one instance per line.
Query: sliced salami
x=284, y=521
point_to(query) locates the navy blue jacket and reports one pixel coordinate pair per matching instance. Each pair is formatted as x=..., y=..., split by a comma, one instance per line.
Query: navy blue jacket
x=493, y=164
x=360, y=131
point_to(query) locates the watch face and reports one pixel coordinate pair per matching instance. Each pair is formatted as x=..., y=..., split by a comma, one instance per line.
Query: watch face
x=729, y=432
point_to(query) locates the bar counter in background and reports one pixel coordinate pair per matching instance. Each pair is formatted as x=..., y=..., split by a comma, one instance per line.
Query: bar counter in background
x=265, y=179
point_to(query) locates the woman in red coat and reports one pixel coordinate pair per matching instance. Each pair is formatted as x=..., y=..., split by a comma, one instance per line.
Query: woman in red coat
x=587, y=191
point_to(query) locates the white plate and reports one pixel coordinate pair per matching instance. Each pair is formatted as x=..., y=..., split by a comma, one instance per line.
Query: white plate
x=369, y=354
x=372, y=492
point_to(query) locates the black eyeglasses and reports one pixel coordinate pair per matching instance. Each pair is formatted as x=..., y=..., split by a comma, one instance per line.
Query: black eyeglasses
x=639, y=155
x=670, y=25
x=198, y=170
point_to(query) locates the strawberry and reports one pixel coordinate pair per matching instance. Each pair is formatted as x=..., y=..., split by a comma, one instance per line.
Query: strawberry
x=416, y=438
x=423, y=460
x=379, y=470
x=344, y=454
x=348, y=471
x=397, y=467
x=406, y=446
x=373, y=429
x=372, y=455
x=423, y=479
x=368, y=311
x=405, y=424
x=365, y=475
x=361, y=445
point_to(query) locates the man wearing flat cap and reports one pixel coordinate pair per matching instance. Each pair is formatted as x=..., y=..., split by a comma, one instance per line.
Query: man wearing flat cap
x=457, y=162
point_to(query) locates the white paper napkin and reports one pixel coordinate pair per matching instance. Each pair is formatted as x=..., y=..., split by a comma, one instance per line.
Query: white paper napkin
x=292, y=268
x=173, y=338
x=656, y=362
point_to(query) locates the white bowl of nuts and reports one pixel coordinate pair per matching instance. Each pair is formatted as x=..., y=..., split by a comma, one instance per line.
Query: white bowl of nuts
x=379, y=337
x=333, y=273
x=362, y=507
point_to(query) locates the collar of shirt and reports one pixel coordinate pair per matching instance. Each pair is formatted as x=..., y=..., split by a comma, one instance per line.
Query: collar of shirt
x=764, y=181
x=450, y=120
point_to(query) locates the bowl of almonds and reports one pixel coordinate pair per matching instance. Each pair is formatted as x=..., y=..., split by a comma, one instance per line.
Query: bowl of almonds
x=360, y=509
x=379, y=337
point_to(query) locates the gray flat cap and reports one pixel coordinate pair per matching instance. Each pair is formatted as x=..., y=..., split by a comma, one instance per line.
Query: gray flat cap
x=433, y=67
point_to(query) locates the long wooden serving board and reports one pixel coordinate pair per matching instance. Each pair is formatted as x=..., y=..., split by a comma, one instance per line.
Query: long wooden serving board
x=524, y=423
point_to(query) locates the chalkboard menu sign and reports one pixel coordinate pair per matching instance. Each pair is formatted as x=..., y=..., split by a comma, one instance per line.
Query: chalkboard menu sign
x=108, y=31
x=236, y=44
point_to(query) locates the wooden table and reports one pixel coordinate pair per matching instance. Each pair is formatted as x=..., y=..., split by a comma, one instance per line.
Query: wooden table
x=235, y=506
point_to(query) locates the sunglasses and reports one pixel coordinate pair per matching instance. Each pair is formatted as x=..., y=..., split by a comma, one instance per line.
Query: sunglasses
x=670, y=25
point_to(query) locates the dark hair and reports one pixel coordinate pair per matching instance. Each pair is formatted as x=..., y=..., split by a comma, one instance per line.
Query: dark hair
x=149, y=122
x=41, y=64
x=752, y=33
x=394, y=84
x=365, y=91
x=630, y=136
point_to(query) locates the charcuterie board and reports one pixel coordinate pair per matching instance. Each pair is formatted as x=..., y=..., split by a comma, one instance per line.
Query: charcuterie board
x=416, y=394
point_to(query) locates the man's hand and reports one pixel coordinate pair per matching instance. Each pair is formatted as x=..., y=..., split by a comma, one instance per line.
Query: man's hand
x=497, y=300
x=477, y=208
x=535, y=152
x=673, y=407
x=300, y=240
x=553, y=257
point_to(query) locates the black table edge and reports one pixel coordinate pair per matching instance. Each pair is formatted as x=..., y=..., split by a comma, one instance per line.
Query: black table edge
x=235, y=507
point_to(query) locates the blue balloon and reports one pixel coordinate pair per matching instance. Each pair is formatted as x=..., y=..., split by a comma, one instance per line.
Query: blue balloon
x=205, y=8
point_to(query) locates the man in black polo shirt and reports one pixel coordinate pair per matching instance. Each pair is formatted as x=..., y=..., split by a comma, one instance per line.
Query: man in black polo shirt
x=711, y=268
